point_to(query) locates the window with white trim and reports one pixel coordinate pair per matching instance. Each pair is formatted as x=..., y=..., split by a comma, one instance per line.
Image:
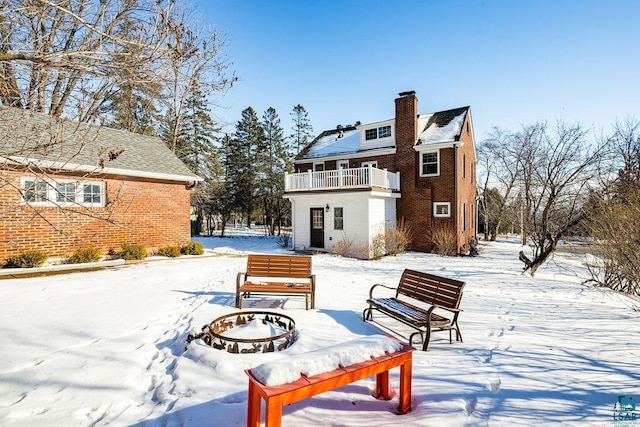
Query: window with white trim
x=442, y=209
x=318, y=167
x=342, y=164
x=429, y=163
x=43, y=192
x=378, y=133
x=338, y=218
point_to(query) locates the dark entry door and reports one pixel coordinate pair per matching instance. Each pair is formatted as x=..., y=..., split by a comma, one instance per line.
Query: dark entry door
x=317, y=227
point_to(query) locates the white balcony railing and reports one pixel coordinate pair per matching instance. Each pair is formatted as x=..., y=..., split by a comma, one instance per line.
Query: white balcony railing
x=366, y=177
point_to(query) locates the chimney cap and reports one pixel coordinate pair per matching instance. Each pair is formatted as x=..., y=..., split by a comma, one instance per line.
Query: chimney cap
x=407, y=93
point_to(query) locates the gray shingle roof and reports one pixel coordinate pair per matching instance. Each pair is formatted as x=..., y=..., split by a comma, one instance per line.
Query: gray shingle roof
x=73, y=145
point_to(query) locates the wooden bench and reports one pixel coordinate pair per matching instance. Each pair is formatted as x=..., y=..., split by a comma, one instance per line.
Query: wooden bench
x=277, y=275
x=416, y=298
x=276, y=397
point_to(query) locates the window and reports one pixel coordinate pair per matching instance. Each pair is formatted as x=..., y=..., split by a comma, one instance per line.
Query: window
x=464, y=217
x=441, y=209
x=370, y=134
x=342, y=164
x=64, y=192
x=429, y=164
x=35, y=190
x=92, y=193
x=367, y=164
x=318, y=167
x=338, y=219
x=464, y=166
x=375, y=133
x=384, y=132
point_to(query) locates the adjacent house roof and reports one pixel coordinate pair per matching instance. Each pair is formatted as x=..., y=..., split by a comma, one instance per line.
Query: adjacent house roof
x=68, y=145
x=433, y=128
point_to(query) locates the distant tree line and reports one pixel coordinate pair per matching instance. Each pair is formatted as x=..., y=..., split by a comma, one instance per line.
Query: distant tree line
x=249, y=185
x=547, y=183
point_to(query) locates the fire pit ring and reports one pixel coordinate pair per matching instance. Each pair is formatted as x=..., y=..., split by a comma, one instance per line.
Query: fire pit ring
x=246, y=332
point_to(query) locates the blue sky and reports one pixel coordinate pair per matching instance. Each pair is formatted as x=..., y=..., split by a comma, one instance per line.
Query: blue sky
x=514, y=62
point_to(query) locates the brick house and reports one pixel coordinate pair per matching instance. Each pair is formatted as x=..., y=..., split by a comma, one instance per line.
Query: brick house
x=352, y=182
x=66, y=185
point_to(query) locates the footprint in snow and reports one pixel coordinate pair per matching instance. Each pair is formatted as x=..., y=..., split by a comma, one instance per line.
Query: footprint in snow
x=493, y=384
x=470, y=404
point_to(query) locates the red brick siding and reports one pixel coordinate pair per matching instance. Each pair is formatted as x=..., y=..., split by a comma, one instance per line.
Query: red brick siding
x=148, y=213
x=466, y=187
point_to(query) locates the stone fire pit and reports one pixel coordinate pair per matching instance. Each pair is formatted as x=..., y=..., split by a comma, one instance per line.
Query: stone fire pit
x=249, y=332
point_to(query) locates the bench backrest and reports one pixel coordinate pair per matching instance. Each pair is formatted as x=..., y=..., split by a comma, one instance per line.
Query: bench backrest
x=430, y=288
x=279, y=266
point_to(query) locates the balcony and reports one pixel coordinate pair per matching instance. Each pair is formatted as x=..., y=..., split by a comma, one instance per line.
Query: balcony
x=342, y=179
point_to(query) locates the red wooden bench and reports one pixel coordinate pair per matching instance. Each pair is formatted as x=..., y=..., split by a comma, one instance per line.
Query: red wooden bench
x=276, y=397
x=277, y=275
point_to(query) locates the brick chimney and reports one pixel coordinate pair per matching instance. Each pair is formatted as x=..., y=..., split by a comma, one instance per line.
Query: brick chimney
x=406, y=134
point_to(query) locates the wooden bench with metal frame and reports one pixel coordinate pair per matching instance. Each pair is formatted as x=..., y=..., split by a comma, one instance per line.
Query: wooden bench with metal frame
x=277, y=275
x=276, y=397
x=416, y=297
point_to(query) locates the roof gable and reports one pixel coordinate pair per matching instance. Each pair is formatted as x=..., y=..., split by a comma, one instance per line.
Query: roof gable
x=443, y=126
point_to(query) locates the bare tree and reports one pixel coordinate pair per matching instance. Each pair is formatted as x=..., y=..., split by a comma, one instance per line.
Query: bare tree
x=560, y=169
x=613, y=214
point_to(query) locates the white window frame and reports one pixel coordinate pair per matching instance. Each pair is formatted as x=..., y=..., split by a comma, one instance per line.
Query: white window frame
x=422, y=154
x=381, y=132
x=335, y=217
x=367, y=164
x=318, y=164
x=441, y=204
x=373, y=132
x=340, y=164
x=52, y=195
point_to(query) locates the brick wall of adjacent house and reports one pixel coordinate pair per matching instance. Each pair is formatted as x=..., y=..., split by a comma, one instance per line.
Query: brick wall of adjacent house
x=153, y=214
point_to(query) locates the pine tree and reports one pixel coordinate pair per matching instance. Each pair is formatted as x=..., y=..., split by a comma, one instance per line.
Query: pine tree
x=241, y=170
x=302, y=130
x=273, y=161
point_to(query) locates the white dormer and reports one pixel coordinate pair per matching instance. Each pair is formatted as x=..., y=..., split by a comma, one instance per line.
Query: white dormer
x=377, y=135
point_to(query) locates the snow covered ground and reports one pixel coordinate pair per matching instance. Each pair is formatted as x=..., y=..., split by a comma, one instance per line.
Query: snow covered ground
x=107, y=347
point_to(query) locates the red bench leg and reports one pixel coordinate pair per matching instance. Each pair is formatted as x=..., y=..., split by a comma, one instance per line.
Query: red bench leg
x=404, y=405
x=383, y=389
x=253, y=407
x=273, y=416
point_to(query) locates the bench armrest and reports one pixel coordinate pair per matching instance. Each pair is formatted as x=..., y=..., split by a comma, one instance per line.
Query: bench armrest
x=451, y=309
x=240, y=279
x=381, y=285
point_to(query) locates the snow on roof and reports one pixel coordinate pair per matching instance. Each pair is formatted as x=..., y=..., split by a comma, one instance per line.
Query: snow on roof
x=332, y=144
x=288, y=369
x=436, y=133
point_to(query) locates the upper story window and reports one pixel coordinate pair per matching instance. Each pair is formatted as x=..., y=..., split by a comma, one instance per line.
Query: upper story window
x=429, y=163
x=42, y=192
x=377, y=133
x=342, y=164
x=384, y=132
x=318, y=167
x=370, y=134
